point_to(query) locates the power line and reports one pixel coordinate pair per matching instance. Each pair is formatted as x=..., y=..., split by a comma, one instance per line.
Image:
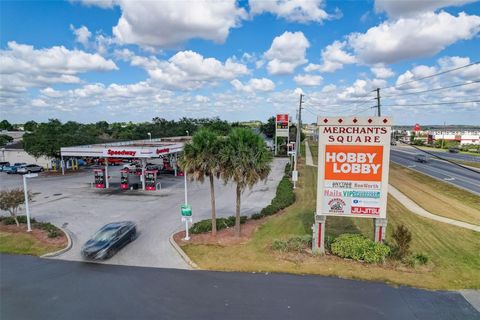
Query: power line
x=434, y=89
x=429, y=104
x=433, y=75
x=363, y=110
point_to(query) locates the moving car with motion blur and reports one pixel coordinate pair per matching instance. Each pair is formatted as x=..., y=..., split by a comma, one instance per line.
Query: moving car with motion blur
x=109, y=239
x=421, y=158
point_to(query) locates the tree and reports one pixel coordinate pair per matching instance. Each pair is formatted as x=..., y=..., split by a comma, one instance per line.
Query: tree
x=245, y=160
x=11, y=200
x=4, y=139
x=402, y=238
x=5, y=125
x=200, y=159
x=30, y=126
x=268, y=128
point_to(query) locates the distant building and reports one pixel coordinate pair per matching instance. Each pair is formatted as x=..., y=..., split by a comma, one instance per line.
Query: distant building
x=462, y=137
x=14, y=153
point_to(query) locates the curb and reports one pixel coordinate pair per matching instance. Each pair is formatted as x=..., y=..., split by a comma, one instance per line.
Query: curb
x=182, y=253
x=59, y=252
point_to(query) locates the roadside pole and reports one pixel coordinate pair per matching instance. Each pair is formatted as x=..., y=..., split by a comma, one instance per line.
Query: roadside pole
x=380, y=229
x=27, y=207
x=107, y=184
x=318, y=239
x=297, y=143
x=186, y=211
x=143, y=174
x=62, y=164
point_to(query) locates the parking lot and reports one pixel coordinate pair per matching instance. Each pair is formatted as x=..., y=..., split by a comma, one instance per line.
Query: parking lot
x=72, y=202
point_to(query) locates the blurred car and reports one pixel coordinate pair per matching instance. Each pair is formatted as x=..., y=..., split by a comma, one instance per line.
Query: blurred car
x=29, y=168
x=13, y=169
x=132, y=166
x=109, y=239
x=453, y=150
x=4, y=164
x=421, y=158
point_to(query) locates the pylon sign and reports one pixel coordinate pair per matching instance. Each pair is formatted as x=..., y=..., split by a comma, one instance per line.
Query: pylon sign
x=353, y=165
x=281, y=125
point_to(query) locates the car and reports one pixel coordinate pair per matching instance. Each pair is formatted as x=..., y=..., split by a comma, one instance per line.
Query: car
x=108, y=240
x=393, y=143
x=13, y=169
x=132, y=166
x=421, y=158
x=29, y=168
x=453, y=150
x=4, y=164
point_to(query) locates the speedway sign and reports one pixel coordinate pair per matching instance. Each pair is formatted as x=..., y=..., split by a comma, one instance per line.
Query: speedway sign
x=281, y=125
x=353, y=163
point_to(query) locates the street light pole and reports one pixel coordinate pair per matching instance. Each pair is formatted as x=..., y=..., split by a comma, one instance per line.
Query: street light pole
x=185, y=176
x=149, y=136
x=27, y=208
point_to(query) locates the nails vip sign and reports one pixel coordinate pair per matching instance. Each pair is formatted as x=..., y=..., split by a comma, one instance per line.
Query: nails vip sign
x=354, y=155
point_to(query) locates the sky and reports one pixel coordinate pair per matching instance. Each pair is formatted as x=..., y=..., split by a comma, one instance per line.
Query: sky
x=125, y=60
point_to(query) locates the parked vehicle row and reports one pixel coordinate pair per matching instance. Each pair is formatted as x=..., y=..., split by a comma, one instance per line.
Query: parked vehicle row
x=19, y=167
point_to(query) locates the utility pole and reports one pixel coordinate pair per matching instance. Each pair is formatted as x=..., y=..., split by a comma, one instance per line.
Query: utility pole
x=443, y=133
x=378, y=102
x=297, y=143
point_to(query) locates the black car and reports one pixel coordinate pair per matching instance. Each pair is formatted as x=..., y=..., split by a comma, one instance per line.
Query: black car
x=109, y=239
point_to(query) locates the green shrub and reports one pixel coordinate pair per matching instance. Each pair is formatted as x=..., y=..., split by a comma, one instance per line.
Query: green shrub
x=52, y=231
x=294, y=243
x=257, y=216
x=357, y=247
x=21, y=219
x=417, y=259
x=204, y=226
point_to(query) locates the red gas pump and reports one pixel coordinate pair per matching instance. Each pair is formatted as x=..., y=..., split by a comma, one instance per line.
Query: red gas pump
x=99, y=178
x=128, y=179
x=151, y=180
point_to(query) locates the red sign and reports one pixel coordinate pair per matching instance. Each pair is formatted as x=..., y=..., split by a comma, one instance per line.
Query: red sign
x=365, y=210
x=417, y=127
x=282, y=118
x=111, y=152
x=164, y=150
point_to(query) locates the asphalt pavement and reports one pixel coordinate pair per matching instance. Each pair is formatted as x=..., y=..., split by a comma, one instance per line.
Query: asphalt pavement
x=438, y=169
x=71, y=202
x=34, y=288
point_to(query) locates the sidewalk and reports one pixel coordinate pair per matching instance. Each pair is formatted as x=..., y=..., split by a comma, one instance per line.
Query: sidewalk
x=415, y=208
x=308, y=155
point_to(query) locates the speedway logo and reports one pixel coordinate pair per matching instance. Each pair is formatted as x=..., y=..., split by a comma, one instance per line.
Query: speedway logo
x=111, y=152
x=164, y=150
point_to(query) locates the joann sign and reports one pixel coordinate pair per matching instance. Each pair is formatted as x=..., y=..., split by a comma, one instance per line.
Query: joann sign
x=353, y=155
x=282, y=125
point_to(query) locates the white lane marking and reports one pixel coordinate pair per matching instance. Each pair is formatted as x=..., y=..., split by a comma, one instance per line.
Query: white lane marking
x=411, y=166
x=449, y=179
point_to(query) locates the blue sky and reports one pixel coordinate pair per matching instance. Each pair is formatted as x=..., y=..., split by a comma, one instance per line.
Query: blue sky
x=121, y=60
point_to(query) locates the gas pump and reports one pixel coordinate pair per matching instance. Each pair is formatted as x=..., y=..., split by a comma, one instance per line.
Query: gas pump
x=166, y=164
x=128, y=179
x=151, y=180
x=99, y=178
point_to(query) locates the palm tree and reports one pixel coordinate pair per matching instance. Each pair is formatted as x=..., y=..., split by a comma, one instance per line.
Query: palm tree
x=200, y=159
x=244, y=159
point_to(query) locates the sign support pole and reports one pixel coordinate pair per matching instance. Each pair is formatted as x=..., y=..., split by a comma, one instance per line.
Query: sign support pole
x=380, y=230
x=318, y=239
x=107, y=184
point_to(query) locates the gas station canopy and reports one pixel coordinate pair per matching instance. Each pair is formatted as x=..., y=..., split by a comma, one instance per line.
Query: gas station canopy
x=154, y=148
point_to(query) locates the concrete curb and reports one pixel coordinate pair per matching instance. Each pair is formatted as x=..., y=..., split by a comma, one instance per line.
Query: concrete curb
x=182, y=253
x=59, y=252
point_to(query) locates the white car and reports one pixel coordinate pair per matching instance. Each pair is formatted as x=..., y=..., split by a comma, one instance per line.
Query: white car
x=131, y=166
x=29, y=168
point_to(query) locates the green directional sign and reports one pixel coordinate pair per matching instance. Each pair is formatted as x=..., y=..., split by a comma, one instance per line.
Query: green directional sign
x=186, y=210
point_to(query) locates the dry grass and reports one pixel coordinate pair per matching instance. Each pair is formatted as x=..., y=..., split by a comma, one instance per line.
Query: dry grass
x=436, y=196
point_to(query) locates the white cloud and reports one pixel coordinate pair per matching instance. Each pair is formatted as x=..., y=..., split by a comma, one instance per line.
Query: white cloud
x=254, y=85
x=286, y=53
x=334, y=57
x=409, y=8
x=170, y=23
x=308, y=80
x=408, y=38
x=105, y=4
x=189, y=70
x=23, y=66
x=292, y=10
x=82, y=35
x=382, y=72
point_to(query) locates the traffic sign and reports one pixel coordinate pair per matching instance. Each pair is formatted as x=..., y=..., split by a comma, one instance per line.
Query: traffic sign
x=186, y=210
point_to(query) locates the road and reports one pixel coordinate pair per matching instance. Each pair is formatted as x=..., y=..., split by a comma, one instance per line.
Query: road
x=437, y=169
x=34, y=288
x=70, y=201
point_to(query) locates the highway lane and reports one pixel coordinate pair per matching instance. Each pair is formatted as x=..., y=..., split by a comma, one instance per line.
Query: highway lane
x=448, y=155
x=34, y=288
x=438, y=169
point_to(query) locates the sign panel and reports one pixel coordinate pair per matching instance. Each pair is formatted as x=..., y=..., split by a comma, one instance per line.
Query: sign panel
x=282, y=125
x=353, y=160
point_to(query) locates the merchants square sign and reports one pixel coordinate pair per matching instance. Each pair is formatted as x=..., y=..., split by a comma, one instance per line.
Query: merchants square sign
x=353, y=162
